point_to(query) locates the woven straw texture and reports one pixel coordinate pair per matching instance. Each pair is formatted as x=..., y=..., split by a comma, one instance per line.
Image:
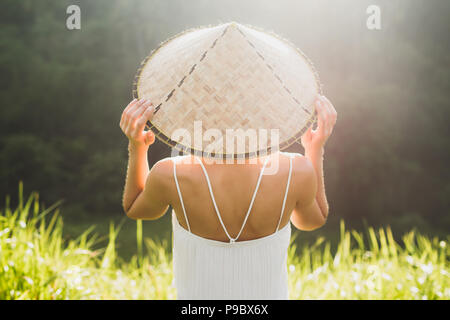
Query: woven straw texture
x=228, y=77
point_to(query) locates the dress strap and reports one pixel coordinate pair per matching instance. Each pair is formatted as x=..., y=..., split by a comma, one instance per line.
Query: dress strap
x=232, y=240
x=286, y=192
x=179, y=192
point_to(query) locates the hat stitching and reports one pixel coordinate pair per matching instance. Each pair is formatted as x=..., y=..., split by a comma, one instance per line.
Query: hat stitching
x=273, y=71
x=190, y=71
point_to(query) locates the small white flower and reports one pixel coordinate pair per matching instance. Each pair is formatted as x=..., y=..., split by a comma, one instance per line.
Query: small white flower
x=386, y=276
x=372, y=268
x=427, y=268
x=370, y=285
x=76, y=280
x=4, y=231
x=335, y=285
x=421, y=280
x=442, y=244
x=22, y=224
x=357, y=289
x=29, y=280
x=414, y=289
x=410, y=259
x=355, y=276
x=424, y=297
x=399, y=286
x=291, y=268
x=310, y=276
x=11, y=240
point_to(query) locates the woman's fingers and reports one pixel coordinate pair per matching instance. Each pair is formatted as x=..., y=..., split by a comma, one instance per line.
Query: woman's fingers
x=130, y=112
x=331, y=108
x=332, y=114
x=124, y=113
x=135, y=113
x=326, y=119
x=327, y=115
x=139, y=111
x=147, y=115
x=131, y=104
x=322, y=117
x=133, y=121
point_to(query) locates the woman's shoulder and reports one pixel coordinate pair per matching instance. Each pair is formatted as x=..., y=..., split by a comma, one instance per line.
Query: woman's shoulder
x=291, y=154
x=179, y=159
x=300, y=163
x=165, y=166
x=297, y=157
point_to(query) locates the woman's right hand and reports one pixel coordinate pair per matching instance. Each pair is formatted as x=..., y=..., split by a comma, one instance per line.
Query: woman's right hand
x=133, y=121
x=314, y=140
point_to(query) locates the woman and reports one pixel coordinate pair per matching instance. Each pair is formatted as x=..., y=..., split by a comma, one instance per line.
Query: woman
x=231, y=225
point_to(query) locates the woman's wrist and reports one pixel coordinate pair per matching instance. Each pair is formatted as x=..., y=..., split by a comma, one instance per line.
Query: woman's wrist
x=137, y=147
x=315, y=152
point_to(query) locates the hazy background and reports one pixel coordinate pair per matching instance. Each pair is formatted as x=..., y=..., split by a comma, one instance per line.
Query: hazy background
x=62, y=93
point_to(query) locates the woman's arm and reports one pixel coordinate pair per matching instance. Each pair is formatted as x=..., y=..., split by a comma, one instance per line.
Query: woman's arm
x=132, y=123
x=312, y=211
x=137, y=173
x=316, y=158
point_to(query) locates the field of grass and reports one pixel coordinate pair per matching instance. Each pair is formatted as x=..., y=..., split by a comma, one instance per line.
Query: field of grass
x=36, y=262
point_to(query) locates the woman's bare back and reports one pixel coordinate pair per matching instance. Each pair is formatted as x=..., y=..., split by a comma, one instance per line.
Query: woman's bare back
x=233, y=186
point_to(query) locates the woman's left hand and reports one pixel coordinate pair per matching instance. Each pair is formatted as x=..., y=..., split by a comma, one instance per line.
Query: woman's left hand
x=133, y=121
x=314, y=140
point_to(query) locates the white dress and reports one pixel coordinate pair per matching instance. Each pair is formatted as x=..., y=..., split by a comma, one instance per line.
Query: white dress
x=211, y=269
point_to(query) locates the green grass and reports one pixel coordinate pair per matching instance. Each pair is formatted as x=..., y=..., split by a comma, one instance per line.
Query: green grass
x=36, y=262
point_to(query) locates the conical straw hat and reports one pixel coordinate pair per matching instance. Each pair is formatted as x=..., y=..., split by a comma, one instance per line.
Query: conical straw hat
x=207, y=83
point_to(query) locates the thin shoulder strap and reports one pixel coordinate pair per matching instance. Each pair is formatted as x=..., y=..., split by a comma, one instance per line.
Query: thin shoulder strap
x=232, y=240
x=179, y=192
x=286, y=192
